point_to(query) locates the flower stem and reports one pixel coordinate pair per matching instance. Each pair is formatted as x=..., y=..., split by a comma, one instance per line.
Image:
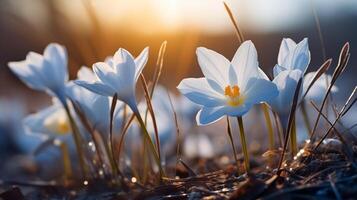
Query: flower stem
x=149, y=141
x=269, y=125
x=229, y=131
x=77, y=140
x=244, y=143
x=66, y=160
x=293, y=139
x=110, y=152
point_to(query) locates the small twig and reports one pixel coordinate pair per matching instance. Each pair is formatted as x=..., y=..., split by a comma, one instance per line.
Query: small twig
x=235, y=24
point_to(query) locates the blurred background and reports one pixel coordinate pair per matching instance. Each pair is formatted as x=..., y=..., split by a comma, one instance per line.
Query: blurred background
x=91, y=30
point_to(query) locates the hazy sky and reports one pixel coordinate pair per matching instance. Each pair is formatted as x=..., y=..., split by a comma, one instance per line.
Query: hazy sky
x=151, y=16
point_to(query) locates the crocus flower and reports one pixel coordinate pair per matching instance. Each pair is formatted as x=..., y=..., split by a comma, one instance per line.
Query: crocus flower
x=292, y=56
x=47, y=72
x=49, y=122
x=293, y=60
x=95, y=107
x=118, y=76
x=228, y=88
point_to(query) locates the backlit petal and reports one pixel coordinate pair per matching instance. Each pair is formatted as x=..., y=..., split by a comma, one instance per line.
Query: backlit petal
x=199, y=91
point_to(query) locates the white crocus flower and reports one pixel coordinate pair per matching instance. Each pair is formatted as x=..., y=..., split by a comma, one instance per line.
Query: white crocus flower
x=292, y=56
x=293, y=60
x=228, y=88
x=118, y=76
x=47, y=72
x=95, y=107
x=49, y=122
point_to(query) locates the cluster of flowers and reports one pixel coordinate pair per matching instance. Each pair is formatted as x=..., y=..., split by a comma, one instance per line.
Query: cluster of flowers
x=229, y=88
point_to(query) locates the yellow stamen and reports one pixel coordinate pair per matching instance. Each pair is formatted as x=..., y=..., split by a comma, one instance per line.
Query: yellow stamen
x=57, y=123
x=233, y=95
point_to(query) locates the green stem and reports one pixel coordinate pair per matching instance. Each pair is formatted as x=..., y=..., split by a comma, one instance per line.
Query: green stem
x=110, y=151
x=229, y=131
x=66, y=160
x=149, y=141
x=269, y=125
x=77, y=141
x=244, y=144
x=293, y=139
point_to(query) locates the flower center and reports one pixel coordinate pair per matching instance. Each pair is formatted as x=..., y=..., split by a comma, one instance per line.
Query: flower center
x=57, y=124
x=233, y=95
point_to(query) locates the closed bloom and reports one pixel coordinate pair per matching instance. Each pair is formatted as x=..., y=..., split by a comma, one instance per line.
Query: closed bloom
x=293, y=56
x=47, y=72
x=117, y=76
x=293, y=60
x=228, y=88
x=95, y=107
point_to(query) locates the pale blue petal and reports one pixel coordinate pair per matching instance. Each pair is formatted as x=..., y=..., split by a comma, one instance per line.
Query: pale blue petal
x=97, y=87
x=199, y=91
x=286, y=83
x=214, y=66
x=233, y=79
x=86, y=74
x=245, y=63
x=26, y=75
x=287, y=47
x=263, y=75
x=260, y=90
x=140, y=62
x=106, y=74
x=209, y=115
x=277, y=69
x=56, y=55
x=301, y=58
x=125, y=69
x=94, y=106
x=124, y=64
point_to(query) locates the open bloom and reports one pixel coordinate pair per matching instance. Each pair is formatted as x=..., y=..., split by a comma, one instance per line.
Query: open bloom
x=95, y=107
x=228, y=88
x=293, y=60
x=47, y=72
x=49, y=122
x=118, y=76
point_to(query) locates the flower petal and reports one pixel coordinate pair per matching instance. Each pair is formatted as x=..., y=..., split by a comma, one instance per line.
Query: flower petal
x=97, y=87
x=140, y=62
x=209, y=115
x=302, y=56
x=294, y=56
x=287, y=46
x=245, y=63
x=214, y=66
x=199, y=91
x=85, y=74
x=26, y=75
x=106, y=74
x=259, y=90
x=56, y=55
x=286, y=83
